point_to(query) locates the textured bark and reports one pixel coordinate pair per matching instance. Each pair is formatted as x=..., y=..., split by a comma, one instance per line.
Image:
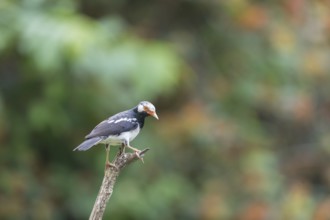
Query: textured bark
x=109, y=180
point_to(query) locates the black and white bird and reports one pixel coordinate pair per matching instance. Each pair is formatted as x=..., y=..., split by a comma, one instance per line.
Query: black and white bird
x=119, y=129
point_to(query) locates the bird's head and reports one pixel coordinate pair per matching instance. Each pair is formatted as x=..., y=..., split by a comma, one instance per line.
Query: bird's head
x=147, y=108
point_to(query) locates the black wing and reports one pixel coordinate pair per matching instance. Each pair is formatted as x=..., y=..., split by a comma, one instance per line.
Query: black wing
x=113, y=127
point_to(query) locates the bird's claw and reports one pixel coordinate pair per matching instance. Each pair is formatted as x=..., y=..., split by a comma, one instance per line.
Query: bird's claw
x=108, y=165
x=137, y=153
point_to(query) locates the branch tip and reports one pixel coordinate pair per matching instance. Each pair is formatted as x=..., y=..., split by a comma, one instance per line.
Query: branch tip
x=141, y=154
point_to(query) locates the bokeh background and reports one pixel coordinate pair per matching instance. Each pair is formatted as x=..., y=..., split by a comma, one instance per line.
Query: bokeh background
x=242, y=89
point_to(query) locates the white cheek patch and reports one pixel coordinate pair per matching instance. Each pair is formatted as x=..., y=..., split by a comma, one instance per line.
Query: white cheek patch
x=140, y=108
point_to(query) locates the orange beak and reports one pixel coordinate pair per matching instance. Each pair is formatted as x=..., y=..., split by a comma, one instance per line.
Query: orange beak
x=153, y=114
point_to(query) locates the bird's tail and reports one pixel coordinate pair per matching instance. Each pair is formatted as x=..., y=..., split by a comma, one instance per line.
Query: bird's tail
x=88, y=143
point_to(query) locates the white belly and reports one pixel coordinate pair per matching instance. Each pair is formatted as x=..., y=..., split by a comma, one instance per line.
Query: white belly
x=125, y=136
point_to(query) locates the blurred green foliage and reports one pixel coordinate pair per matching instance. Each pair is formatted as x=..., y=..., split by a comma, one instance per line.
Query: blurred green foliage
x=241, y=88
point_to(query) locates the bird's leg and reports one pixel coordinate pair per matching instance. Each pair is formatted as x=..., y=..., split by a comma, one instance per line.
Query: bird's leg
x=107, y=150
x=123, y=148
x=134, y=149
x=107, y=163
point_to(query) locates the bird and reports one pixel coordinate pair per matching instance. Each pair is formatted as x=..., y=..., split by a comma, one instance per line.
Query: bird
x=119, y=129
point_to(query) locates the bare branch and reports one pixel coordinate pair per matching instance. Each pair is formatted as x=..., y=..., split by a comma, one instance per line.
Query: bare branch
x=109, y=180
